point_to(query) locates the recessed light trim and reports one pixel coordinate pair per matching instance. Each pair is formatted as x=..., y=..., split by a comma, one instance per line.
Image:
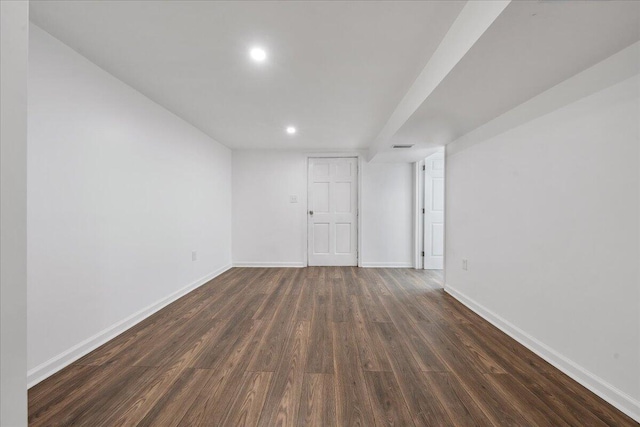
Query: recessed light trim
x=258, y=54
x=291, y=130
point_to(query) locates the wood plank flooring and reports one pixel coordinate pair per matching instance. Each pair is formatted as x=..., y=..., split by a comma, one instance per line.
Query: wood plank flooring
x=319, y=346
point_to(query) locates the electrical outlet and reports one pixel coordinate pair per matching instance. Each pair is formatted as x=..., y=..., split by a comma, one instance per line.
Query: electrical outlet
x=293, y=199
x=464, y=264
x=194, y=255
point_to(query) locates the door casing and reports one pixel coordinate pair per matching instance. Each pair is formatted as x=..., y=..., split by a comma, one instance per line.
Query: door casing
x=359, y=157
x=433, y=215
x=419, y=204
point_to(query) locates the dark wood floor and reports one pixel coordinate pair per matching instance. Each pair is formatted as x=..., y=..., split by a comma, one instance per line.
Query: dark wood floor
x=316, y=346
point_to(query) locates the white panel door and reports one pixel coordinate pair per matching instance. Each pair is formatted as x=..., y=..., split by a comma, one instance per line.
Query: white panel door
x=333, y=211
x=434, y=212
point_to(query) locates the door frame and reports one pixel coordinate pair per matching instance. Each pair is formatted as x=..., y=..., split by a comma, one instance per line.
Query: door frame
x=348, y=155
x=418, y=217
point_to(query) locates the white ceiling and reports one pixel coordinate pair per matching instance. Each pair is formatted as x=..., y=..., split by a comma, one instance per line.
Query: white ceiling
x=340, y=71
x=531, y=47
x=335, y=70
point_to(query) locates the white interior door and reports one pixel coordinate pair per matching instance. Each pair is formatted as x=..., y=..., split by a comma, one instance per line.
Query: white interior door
x=434, y=212
x=333, y=211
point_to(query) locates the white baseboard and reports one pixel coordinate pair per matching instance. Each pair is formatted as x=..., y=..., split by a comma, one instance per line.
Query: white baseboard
x=269, y=264
x=302, y=264
x=56, y=363
x=387, y=265
x=597, y=385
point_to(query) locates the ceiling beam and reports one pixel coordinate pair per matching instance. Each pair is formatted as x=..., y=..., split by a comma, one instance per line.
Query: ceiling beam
x=474, y=19
x=613, y=70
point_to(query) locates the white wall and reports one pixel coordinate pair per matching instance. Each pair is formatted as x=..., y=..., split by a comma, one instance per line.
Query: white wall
x=14, y=45
x=548, y=216
x=387, y=215
x=269, y=230
x=120, y=191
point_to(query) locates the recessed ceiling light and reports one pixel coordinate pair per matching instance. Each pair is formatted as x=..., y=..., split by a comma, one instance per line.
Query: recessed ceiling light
x=258, y=54
x=291, y=130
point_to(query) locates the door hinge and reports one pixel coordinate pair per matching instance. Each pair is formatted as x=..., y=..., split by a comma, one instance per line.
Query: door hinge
x=422, y=253
x=423, y=210
x=424, y=167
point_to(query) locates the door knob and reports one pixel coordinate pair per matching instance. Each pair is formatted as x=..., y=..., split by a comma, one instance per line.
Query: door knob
x=311, y=213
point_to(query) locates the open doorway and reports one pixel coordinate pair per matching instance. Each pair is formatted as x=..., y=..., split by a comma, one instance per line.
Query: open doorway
x=430, y=227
